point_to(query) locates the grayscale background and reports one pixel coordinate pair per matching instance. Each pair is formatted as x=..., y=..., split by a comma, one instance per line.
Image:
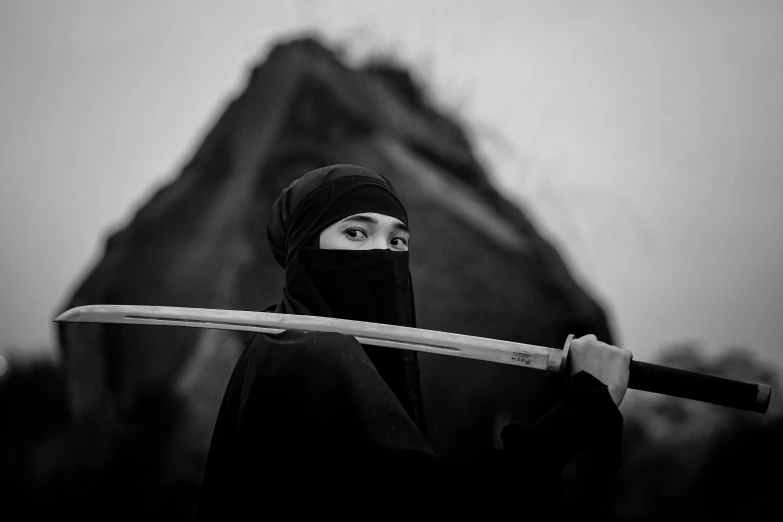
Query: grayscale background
x=643, y=140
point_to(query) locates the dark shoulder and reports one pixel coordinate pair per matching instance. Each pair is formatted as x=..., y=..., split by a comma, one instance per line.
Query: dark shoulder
x=293, y=344
x=307, y=338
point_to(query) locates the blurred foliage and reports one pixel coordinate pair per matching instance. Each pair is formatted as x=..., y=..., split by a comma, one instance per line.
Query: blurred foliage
x=682, y=459
x=96, y=467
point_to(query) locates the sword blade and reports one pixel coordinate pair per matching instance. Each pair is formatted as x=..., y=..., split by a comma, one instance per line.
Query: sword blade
x=402, y=337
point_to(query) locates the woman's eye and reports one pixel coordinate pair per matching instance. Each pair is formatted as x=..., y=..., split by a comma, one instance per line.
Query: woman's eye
x=399, y=242
x=356, y=234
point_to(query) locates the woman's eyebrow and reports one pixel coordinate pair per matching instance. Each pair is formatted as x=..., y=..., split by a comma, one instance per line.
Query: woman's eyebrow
x=401, y=226
x=373, y=221
x=361, y=219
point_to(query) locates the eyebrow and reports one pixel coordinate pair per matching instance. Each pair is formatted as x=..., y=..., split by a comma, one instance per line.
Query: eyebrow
x=372, y=220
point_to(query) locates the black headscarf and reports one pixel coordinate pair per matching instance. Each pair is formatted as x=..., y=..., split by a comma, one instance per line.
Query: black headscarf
x=363, y=285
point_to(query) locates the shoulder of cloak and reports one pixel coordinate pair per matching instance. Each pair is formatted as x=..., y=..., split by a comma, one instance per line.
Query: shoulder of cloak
x=297, y=350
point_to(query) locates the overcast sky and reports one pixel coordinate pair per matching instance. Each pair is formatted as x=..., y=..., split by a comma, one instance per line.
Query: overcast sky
x=643, y=137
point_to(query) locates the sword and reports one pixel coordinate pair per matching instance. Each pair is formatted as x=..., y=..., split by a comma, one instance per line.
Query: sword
x=643, y=376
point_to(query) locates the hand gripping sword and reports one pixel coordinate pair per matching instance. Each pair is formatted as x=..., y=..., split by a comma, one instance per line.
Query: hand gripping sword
x=643, y=376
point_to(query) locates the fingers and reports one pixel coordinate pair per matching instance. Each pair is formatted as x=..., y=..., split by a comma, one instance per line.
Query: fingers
x=591, y=339
x=608, y=363
x=590, y=344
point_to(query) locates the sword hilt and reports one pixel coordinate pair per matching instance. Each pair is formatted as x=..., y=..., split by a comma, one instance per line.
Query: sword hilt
x=692, y=385
x=700, y=387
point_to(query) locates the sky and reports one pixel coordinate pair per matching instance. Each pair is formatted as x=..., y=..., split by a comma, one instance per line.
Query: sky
x=642, y=137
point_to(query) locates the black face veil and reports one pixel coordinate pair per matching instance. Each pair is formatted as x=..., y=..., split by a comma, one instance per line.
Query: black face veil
x=363, y=285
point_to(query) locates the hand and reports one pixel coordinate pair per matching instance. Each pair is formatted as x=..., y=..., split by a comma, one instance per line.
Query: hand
x=609, y=364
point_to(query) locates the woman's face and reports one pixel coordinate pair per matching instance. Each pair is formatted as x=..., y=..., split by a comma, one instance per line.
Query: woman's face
x=366, y=231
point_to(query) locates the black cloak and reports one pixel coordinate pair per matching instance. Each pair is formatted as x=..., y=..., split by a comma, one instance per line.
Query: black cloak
x=317, y=423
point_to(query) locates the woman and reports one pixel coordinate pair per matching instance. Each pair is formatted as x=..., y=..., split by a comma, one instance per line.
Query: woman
x=317, y=414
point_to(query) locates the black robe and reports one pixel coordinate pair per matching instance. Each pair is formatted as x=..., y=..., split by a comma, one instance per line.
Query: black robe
x=308, y=426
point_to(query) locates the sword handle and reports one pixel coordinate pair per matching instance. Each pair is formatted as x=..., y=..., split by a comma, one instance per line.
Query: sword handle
x=698, y=386
x=690, y=385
